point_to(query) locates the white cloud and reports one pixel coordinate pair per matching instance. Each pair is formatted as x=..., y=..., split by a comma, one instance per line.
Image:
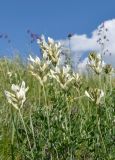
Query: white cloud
x=82, y=43
x=82, y=66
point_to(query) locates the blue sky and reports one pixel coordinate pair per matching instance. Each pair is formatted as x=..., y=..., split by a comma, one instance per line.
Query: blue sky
x=54, y=18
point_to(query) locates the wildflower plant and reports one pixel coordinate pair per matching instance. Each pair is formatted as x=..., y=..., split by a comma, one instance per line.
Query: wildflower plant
x=61, y=119
x=18, y=97
x=95, y=95
x=39, y=69
x=95, y=62
x=51, y=49
x=77, y=80
x=62, y=76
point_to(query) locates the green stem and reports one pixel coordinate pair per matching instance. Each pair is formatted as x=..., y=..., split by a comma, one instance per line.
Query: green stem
x=26, y=132
x=12, y=139
x=99, y=129
x=47, y=113
x=32, y=128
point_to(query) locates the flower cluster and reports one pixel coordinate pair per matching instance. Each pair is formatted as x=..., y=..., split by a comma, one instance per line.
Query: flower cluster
x=77, y=79
x=62, y=76
x=39, y=69
x=51, y=50
x=18, y=97
x=95, y=62
x=95, y=95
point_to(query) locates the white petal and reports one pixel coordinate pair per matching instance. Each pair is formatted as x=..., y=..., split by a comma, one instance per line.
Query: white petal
x=102, y=94
x=87, y=94
x=15, y=88
x=50, y=40
x=45, y=55
x=31, y=59
x=23, y=85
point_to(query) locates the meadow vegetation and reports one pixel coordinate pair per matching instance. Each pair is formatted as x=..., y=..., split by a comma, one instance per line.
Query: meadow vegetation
x=50, y=112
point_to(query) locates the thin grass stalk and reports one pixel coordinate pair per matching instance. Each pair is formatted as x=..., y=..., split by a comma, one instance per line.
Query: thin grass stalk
x=99, y=129
x=26, y=133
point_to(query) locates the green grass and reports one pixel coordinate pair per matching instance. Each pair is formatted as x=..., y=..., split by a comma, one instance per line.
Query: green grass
x=56, y=124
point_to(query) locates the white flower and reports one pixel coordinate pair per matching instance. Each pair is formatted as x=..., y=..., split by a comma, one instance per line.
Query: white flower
x=19, y=96
x=66, y=69
x=89, y=96
x=11, y=99
x=51, y=50
x=62, y=76
x=50, y=40
x=39, y=69
x=20, y=91
x=9, y=73
x=95, y=95
x=99, y=56
x=34, y=61
x=77, y=79
x=76, y=76
x=95, y=62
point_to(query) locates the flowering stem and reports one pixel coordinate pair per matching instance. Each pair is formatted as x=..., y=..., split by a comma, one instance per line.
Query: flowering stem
x=32, y=128
x=12, y=140
x=47, y=112
x=45, y=95
x=26, y=132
